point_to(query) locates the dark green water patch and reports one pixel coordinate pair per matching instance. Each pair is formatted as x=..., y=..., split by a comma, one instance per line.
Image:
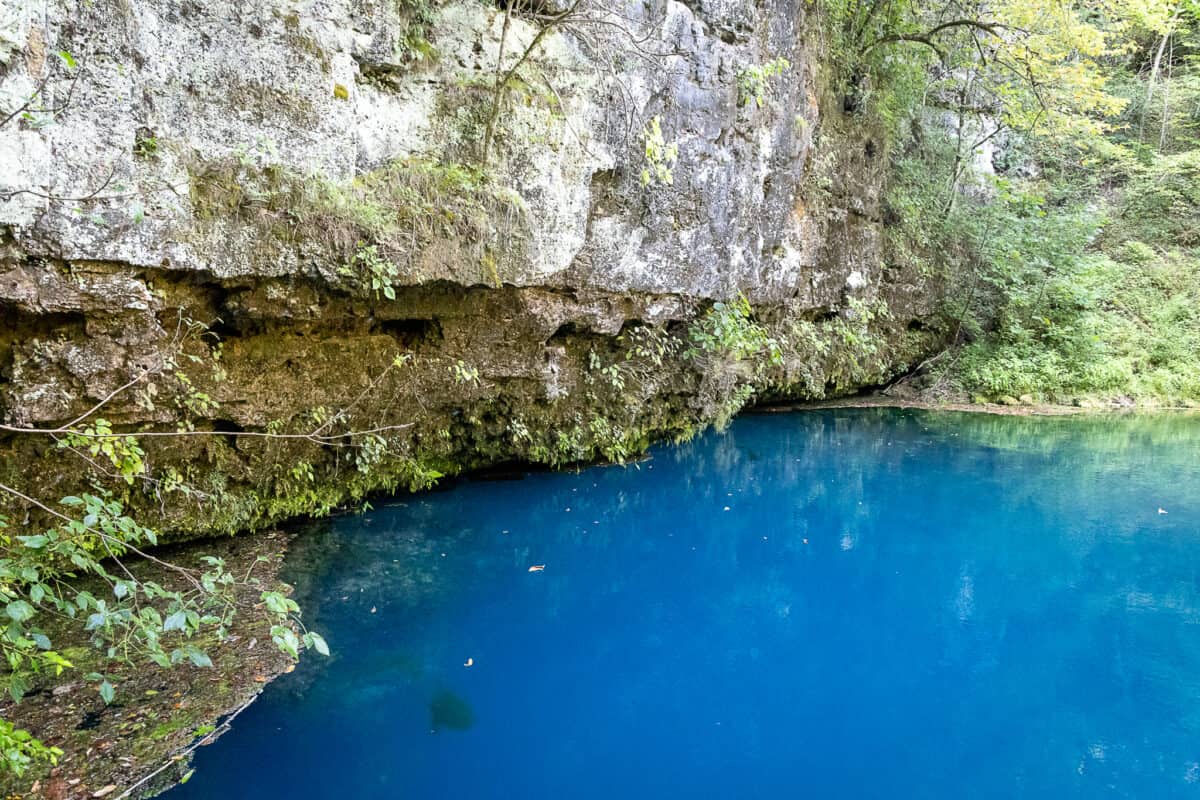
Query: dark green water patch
x=448, y=711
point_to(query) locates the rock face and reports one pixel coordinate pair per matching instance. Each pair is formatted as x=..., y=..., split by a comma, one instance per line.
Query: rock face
x=322, y=218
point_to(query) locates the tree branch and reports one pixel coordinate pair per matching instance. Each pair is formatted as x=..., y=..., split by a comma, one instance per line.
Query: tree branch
x=928, y=38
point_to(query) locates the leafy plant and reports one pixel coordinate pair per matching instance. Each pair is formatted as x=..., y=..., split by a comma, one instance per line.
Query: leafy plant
x=728, y=331
x=79, y=567
x=134, y=620
x=123, y=452
x=377, y=274
x=754, y=80
x=661, y=156
x=19, y=750
x=418, y=18
x=146, y=146
x=464, y=374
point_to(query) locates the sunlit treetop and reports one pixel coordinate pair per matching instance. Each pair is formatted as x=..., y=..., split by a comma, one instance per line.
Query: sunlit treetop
x=1035, y=65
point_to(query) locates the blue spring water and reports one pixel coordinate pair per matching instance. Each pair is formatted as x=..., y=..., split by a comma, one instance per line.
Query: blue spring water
x=835, y=604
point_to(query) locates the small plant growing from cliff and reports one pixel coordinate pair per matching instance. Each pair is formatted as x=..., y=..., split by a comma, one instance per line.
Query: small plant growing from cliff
x=653, y=345
x=145, y=145
x=192, y=402
x=729, y=331
x=419, y=16
x=661, y=156
x=612, y=374
x=519, y=431
x=33, y=113
x=376, y=273
x=857, y=345
x=464, y=374
x=612, y=442
x=123, y=452
x=754, y=81
x=370, y=453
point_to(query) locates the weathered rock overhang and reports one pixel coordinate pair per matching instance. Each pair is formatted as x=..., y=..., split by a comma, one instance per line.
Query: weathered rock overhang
x=258, y=219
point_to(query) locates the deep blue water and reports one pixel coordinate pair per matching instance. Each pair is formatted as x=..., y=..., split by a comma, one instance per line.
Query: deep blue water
x=836, y=604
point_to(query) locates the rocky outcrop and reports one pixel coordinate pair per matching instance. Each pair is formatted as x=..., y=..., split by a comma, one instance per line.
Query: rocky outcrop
x=278, y=216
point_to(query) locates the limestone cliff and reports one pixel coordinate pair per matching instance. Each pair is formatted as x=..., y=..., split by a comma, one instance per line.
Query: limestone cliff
x=277, y=215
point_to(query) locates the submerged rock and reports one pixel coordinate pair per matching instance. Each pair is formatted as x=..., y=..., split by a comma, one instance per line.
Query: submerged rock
x=449, y=711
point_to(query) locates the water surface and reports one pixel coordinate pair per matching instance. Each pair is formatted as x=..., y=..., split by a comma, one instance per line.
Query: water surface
x=837, y=604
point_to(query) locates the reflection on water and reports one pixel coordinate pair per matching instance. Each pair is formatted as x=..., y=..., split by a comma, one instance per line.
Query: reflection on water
x=855, y=603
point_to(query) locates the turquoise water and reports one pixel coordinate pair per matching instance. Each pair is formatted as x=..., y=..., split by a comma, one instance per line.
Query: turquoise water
x=837, y=604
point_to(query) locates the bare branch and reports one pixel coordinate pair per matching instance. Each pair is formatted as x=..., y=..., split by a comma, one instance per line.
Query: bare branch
x=325, y=440
x=928, y=38
x=38, y=93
